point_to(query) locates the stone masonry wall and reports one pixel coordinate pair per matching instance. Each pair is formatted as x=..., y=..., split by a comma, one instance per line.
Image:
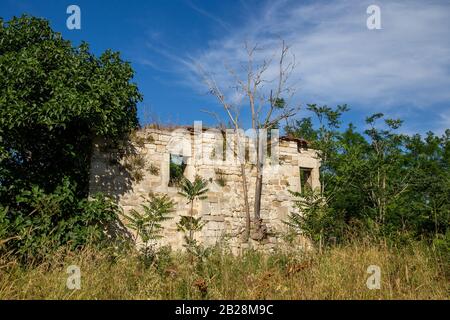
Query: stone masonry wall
x=149, y=149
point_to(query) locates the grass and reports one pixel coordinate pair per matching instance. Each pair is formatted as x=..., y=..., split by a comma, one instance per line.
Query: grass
x=415, y=271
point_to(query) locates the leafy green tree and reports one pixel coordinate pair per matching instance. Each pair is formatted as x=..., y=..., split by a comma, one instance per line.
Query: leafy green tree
x=324, y=139
x=386, y=183
x=54, y=99
x=427, y=198
x=387, y=179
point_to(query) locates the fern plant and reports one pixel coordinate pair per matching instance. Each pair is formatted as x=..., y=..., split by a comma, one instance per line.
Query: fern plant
x=192, y=191
x=313, y=218
x=189, y=225
x=148, y=222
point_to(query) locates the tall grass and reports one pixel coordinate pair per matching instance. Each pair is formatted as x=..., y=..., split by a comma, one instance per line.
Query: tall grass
x=414, y=271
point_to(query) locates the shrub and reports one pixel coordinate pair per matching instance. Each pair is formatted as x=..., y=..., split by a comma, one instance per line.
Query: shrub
x=220, y=177
x=192, y=191
x=153, y=169
x=442, y=245
x=147, y=223
x=39, y=222
x=176, y=173
x=135, y=165
x=314, y=218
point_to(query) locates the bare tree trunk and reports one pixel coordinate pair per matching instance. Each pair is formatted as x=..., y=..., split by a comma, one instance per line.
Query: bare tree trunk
x=258, y=184
x=246, y=204
x=260, y=231
x=257, y=211
x=259, y=228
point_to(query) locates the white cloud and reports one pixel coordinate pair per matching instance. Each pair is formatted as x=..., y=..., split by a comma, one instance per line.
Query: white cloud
x=208, y=15
x=407, y=62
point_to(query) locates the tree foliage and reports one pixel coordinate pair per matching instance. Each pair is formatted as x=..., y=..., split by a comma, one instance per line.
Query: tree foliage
x=54, y=99
x=385, y=182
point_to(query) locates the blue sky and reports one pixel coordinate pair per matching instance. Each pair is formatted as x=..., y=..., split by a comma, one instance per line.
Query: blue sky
x=402, y=70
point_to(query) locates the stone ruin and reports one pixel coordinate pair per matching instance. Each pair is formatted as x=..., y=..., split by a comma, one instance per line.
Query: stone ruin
x=132, y=169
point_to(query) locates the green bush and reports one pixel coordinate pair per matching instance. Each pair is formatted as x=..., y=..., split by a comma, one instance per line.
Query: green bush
x=314, y=218
x=147, y=223
x=39, y=222
x=176, y=173
x=442, y=245
x=3, y=223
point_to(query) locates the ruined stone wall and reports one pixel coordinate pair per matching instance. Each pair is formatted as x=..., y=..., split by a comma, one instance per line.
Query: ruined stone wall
x=149, y=150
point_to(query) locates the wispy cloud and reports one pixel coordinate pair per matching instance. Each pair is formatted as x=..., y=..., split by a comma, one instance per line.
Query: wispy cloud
x=404, y=65
x=208, y=15
x=340, y=60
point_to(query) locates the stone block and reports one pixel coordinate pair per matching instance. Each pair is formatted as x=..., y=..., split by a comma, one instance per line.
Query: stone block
x=213, y=218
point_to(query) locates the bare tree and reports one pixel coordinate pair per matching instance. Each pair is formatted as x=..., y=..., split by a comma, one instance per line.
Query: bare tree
x=267, y=102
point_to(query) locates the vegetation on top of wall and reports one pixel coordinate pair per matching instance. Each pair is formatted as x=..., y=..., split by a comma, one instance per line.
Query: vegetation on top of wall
x=220, y=177
x=153, y=169
x=135, y=165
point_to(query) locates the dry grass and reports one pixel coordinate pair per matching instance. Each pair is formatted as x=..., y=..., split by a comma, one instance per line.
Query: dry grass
x=413, y=272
